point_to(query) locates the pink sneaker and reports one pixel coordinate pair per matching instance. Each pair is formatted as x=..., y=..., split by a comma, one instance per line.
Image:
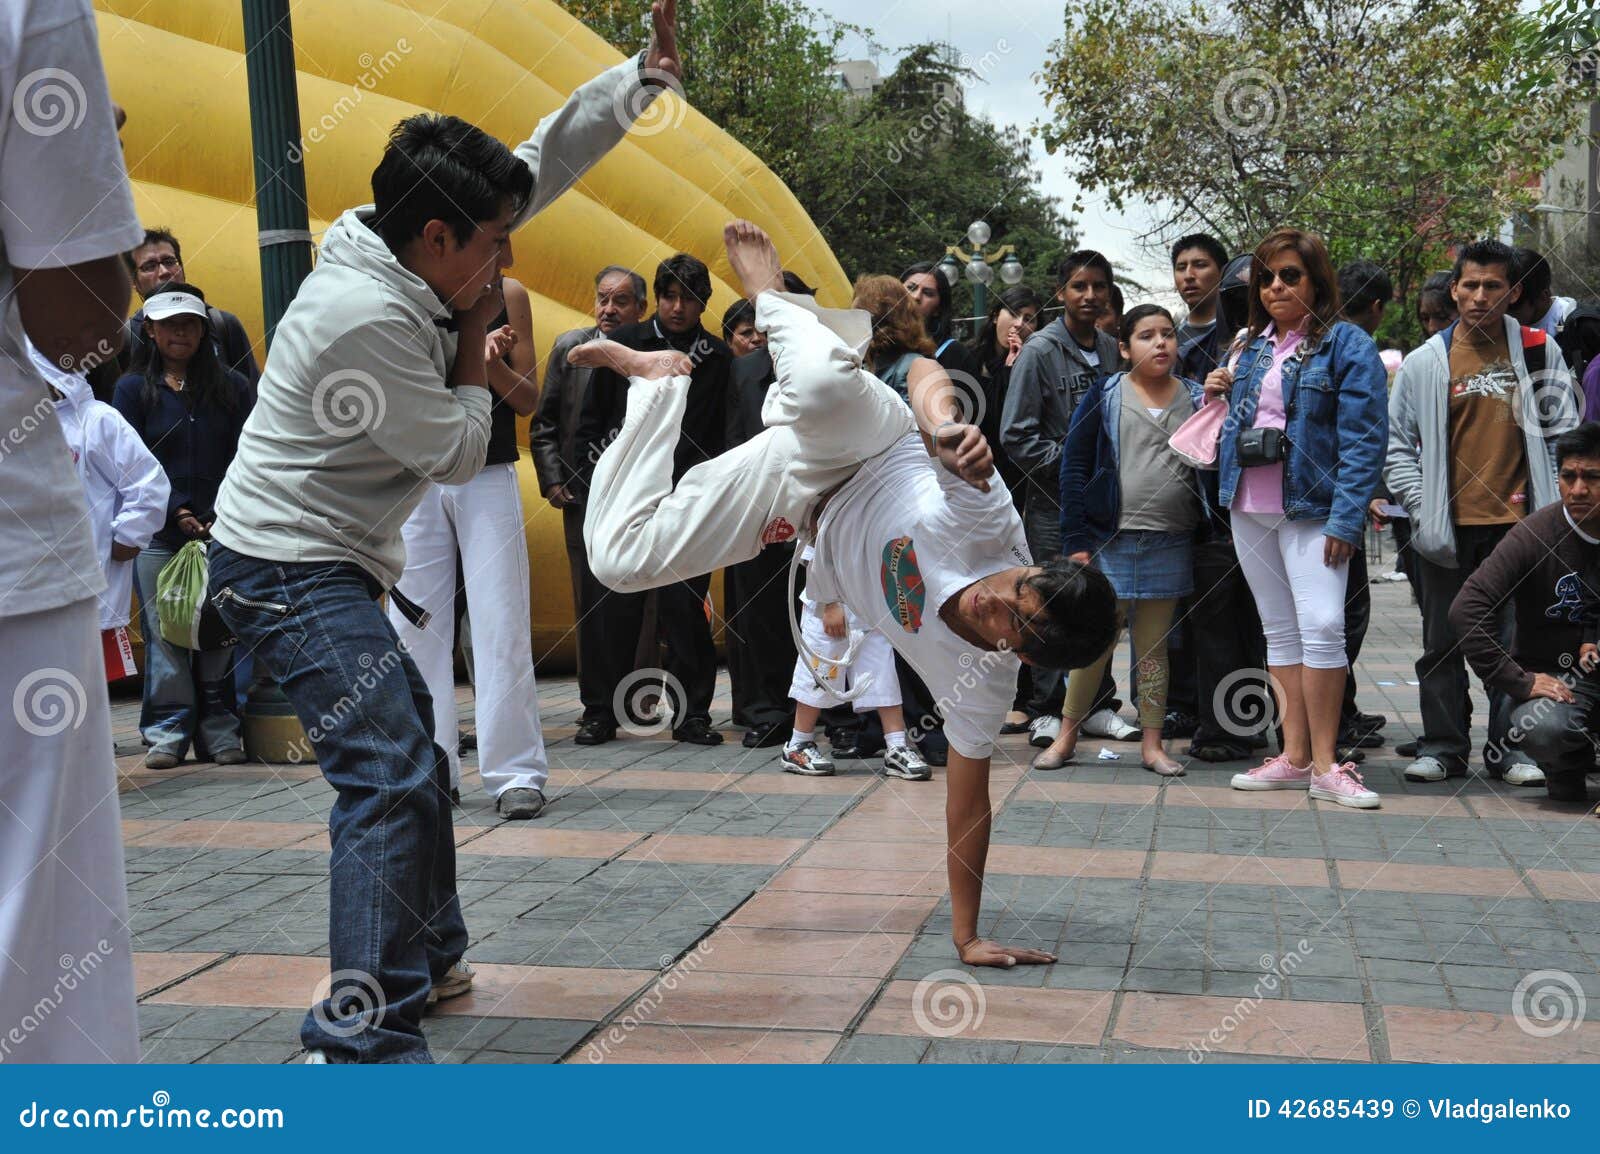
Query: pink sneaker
x=1274, y=773
x=1342, y=785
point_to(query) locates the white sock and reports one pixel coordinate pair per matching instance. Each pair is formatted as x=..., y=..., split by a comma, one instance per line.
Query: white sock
x=895, y=740
x=797, y=739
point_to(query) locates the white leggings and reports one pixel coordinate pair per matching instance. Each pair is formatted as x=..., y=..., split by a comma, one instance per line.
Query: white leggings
x=1301, y=600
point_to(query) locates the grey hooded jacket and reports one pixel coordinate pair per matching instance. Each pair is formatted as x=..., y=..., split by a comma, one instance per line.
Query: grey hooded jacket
x=353, y=419
x=1417, y=470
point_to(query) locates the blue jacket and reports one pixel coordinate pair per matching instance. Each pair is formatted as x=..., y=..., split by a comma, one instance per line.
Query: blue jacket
x=195, y=447
x=1335, y=394
x=1091, y=481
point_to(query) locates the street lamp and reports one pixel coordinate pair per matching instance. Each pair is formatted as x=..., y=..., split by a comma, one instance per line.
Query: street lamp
x=979, y=266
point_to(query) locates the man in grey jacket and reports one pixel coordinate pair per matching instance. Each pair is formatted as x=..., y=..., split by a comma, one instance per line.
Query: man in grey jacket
x=1054, y=369
x=1473, y=419
x=375, y=387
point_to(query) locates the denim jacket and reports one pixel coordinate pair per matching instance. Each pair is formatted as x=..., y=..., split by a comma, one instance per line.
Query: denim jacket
x=1336, y=405
x=1091, y=467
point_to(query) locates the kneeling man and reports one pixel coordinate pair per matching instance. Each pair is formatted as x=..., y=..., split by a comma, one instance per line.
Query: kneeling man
x=912, y=528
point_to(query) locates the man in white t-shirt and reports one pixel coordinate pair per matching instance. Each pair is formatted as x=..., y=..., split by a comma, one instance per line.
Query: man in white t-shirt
x=914, y=531
x=66, y=218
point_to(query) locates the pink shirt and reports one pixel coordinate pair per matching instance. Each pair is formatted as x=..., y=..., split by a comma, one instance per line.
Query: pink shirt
x=1260, y=488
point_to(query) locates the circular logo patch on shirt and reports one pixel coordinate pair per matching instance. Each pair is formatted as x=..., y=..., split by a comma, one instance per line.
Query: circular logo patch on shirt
x=903, y=589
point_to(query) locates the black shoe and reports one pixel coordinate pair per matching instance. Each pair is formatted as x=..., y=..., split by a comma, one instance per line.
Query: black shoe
x=1406, y=748
x=1363, y=738
x=697, y=732
x=1209, y=750
x=1351, y=754
x=1566, y=787
x=594, y=732
x=1368, y=722
x=766, y=738
x=935, y=749
x=467, y=741
x=455, y=795
x=1179, y=724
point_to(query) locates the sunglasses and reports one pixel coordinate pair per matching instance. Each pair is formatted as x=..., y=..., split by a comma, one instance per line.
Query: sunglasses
x=1290, y=276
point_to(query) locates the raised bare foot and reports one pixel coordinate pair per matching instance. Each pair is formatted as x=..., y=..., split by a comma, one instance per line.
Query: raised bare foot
x=753, y=257
x=604, y=354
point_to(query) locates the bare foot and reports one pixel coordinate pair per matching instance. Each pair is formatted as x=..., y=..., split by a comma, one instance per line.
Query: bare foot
x=753, y=257
x=1154, y=755
x=604, y=354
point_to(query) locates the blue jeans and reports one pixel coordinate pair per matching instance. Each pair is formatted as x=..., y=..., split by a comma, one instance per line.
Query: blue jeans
x=395, y=921
x=188, y=696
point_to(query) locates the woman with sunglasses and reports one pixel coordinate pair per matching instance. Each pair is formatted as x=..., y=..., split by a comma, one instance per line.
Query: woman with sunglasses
x=1299, y=459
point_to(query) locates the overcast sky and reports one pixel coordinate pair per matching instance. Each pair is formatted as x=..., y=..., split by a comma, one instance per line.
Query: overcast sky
x=1008, y=95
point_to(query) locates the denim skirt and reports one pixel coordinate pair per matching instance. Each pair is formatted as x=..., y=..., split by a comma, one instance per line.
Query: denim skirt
x=1148, y=565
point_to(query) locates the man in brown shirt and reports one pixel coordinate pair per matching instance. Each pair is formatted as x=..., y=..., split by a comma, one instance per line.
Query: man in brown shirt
x=1488, y=464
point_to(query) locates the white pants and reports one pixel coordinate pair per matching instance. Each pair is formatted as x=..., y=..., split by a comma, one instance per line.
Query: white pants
x=874, y=660
x=825, y=417
x=66, y=961
x=483, y=518
x=1301, y=600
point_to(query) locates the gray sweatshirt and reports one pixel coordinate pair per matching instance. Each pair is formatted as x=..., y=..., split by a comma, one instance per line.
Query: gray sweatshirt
x=353, y=419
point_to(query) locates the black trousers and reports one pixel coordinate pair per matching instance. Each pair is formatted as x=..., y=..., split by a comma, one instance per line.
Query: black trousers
x=598, y=671
x=761, y=651
x=1357, y=616
x=691, y=654
x=1231, y=694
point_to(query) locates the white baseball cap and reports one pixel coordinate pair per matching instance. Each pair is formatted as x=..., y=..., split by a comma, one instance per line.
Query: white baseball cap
x=166, y=305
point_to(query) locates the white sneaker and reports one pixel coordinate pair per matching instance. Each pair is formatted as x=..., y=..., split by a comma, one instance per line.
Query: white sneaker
x=1426, y=769
x=456, y=981
x=904, y=762
x=316, y=1058
x=805, y=759
x=1043, y=730
x=1106, y=723
x=1523, y=773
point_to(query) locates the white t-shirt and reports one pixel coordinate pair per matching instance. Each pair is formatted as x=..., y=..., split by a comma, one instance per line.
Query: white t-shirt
x=66, y=201
x=897, y=542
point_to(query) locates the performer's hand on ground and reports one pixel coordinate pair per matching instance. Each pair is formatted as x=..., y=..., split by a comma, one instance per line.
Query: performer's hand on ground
x=834, y=622
x=982, y=952
x=662, y=55
x=753, y=257
x=963, y=450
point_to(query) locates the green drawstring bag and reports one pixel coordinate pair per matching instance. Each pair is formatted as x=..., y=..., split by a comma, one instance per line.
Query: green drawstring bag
x=188, y=619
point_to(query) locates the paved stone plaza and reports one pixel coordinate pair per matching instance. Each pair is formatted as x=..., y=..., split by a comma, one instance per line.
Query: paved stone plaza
x=678, y=904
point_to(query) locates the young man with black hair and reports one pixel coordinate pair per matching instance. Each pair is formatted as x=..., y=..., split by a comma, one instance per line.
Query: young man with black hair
x=1537, y=307
x=157, y=263
x=1054, y=369
x=1473, y=419
x=1547, y=570
x=912, y=528
x=682, y=290
x=739, y=330
x=1197, y=263
x=377, y=385
x=1364, y=291
x=562, y=463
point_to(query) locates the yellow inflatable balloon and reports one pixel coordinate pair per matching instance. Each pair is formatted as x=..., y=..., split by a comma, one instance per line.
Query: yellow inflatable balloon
x=179, y=71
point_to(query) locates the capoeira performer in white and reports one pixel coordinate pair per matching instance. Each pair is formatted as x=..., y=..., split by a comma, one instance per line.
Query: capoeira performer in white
x=911, y=527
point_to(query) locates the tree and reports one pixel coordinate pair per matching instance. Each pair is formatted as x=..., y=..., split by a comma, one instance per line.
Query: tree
x=1394, y=129
x=888, y=180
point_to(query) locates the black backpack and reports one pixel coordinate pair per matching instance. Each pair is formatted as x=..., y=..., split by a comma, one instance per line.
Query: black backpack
x=1579, y=336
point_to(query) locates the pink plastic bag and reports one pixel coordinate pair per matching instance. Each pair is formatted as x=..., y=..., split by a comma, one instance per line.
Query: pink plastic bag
x=1197, y=438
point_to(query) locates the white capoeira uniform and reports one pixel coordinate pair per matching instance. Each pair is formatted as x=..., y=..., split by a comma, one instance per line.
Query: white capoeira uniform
x=898, y=538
